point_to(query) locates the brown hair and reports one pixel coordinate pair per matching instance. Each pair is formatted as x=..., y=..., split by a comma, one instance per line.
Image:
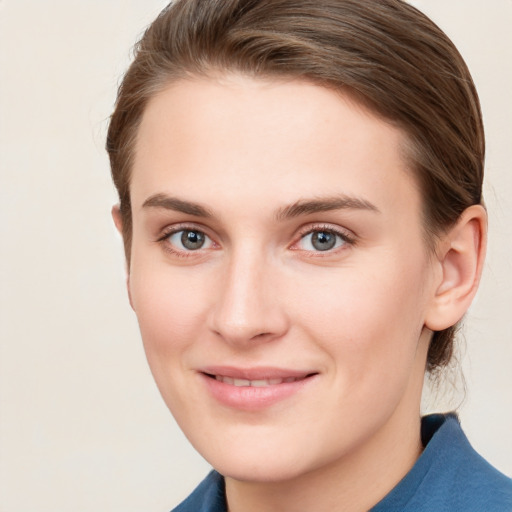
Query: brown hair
x=386, y=52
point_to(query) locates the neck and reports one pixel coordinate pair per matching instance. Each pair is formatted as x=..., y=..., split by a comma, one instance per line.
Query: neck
x=354, y=484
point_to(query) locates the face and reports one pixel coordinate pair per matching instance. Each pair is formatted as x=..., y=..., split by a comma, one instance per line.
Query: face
x=278, y=272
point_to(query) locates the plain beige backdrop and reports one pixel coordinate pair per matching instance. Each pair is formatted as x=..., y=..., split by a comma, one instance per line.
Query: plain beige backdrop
x=82, y=426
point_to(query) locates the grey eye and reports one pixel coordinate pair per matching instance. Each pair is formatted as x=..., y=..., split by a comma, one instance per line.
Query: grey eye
x=321, y=241
x=192, y=240
x=189, y=240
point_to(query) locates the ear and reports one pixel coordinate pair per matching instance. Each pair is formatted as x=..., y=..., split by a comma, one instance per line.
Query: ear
x=118, y=221
x=461, y=254
x=116, y=216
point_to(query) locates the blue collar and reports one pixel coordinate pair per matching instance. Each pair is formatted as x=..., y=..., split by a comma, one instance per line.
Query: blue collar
x=449, y=476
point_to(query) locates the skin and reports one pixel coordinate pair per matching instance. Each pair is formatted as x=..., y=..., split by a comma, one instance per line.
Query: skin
x=258, y=167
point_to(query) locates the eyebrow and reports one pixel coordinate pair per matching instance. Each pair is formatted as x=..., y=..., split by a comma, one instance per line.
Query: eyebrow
x=301, y=207
x=177, y=205
x=308, y=206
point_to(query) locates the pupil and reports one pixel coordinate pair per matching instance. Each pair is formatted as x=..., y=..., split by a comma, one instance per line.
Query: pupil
x=323, y=240
x=192, y=239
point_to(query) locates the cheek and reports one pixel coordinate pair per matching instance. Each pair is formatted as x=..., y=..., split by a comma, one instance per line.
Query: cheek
x=365, y=316
x=170, y=311
x=169, y=307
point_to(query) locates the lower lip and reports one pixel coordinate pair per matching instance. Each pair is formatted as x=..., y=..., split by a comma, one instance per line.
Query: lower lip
x=249, y=398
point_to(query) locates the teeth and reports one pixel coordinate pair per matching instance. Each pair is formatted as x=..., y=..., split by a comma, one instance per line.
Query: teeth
x=260, y=383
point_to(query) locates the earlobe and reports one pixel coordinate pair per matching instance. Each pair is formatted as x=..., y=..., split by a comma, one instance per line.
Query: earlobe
x=116, y=216
x=461, y=255
x=118, y=221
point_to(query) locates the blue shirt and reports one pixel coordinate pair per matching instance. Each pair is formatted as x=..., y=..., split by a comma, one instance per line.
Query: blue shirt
x=449, y=476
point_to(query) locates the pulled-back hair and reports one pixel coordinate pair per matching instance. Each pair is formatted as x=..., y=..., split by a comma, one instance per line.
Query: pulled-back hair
x=386, y=53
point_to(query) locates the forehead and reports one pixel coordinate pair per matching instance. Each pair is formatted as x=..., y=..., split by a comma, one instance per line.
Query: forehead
x=235, y=137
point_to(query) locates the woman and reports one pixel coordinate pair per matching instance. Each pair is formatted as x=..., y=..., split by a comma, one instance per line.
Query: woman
x=301, y=207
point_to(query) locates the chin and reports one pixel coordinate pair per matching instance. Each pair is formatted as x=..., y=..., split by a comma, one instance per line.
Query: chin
x=268, y=471
x=259, y=460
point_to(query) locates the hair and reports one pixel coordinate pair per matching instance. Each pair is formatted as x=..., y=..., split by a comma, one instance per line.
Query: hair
x=386, y=53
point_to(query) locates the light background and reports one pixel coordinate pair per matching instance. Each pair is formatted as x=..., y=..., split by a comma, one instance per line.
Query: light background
x=82, y=426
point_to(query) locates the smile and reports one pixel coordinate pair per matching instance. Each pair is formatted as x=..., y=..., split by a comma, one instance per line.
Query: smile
x=254, y=389
x=260, y=383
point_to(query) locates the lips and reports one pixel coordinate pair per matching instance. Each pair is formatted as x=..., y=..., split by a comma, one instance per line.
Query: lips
x=258, y=383
x=256, y=388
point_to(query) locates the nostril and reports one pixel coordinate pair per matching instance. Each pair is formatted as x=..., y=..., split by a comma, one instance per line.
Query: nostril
x=261, y=335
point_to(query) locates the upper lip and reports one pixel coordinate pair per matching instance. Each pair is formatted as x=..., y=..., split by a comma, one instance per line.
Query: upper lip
x=256, y=373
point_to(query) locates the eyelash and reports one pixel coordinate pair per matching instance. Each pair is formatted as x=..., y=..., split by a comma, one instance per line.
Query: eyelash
x=345, y=237
x=164, y=240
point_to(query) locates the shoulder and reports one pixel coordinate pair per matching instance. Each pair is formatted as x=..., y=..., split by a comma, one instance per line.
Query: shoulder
x=465, y=480
x=450, y=475
x=208, y=496
x=475, y=484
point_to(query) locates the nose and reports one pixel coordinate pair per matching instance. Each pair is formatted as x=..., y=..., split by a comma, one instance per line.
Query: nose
x=248, y=309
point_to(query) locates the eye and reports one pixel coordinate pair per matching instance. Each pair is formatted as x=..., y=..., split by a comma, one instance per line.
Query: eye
x=322, y=240
x=189, y=240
